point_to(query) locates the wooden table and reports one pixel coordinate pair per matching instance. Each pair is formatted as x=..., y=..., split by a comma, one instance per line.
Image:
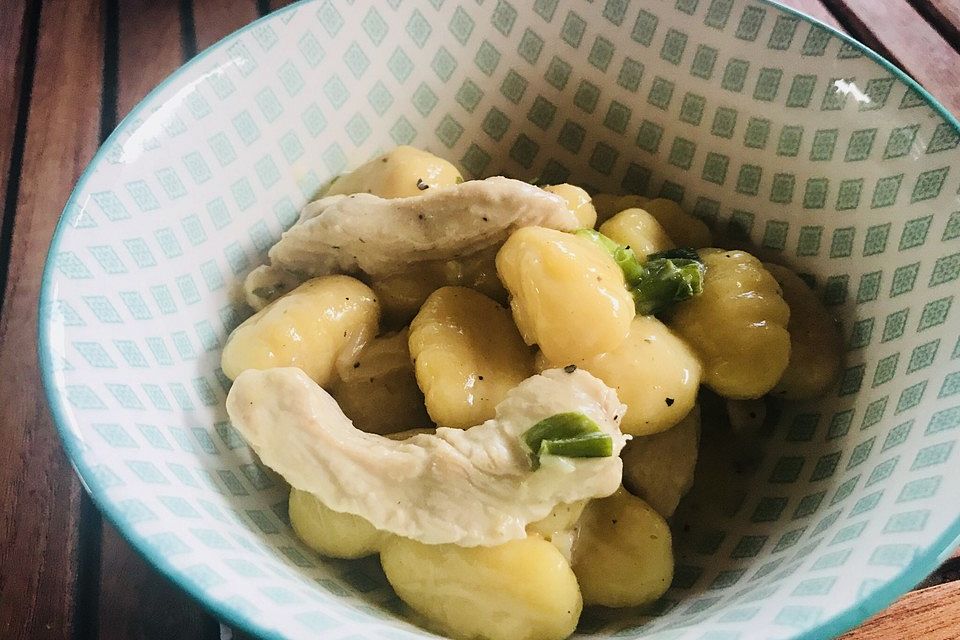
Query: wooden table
x=69, y=70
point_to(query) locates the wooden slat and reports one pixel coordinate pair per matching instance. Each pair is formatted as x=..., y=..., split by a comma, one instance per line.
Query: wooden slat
x=134, y=600
x=41, y=497
x=216, y=19
x=896, y=30
x=814, y=8
x=945, y=16
x=149, y=48
x=930, y=614
x=137, y=602
x=15, y=33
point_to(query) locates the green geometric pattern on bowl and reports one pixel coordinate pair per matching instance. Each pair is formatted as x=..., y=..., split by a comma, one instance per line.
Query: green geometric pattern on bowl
x=765, y=125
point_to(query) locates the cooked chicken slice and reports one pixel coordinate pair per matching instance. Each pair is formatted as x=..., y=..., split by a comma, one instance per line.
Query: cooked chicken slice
x=379, y=236
x=474, y=487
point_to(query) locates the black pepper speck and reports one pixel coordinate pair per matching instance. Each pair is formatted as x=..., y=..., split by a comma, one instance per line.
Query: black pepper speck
x=669, y=402
x=570, y=368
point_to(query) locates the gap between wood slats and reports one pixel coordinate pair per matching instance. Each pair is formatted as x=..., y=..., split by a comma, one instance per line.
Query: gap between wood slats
x=944, y=15
x=19, y=28
x=40, y=541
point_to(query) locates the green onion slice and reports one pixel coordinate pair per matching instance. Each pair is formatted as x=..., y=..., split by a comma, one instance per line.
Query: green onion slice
x=663, y=280
x=591, y=445
x=570, y=434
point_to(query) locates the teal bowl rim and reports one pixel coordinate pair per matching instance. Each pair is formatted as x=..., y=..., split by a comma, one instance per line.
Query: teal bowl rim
x=920, y=567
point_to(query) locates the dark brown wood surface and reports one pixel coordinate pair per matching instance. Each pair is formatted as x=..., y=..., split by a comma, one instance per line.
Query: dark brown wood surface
x=215, y=19
x=19, y=29
x=45, y=552
x=69, y=70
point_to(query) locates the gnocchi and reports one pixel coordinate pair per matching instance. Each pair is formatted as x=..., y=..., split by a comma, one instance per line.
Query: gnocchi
x=815, y=343
x=401, y=295
x=521, y=590
x=319, y=327
x=462, y=302
x=332, y=533
x=659, y=468
x=607, y=204
x=686, y=230
x=624, y=555
x=560, y=526
x=578, y=201
x=653, y=372
x=638, y=230
x=379, y=392
x=265, y=284
x=399, y=173
x=467, y=354
x=737, y=326
x=566, y=294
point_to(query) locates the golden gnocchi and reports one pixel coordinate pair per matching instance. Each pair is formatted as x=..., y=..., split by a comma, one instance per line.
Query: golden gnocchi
x=659, y=468
x=401, y=295
x=815, y=342
x=332, y=533
x=638, y=230
x=399, y=173
x=683, y=228
x=566, y=294
x=578, y=201
x=319, y=327
x=467, y=354
x=737, y=326
x=607, y=204
x=653, y=372
x=379, y=391
x=431, y=425
x=521, y=590
x=624, y=555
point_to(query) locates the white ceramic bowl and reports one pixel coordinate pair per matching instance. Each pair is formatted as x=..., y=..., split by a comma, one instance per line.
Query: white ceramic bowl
x=756, y=119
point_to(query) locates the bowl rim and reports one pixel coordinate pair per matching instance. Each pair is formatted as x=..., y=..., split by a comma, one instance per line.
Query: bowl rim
x=912, y=574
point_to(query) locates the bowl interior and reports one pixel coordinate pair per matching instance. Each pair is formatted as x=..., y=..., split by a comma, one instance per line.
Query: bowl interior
x=772, y=128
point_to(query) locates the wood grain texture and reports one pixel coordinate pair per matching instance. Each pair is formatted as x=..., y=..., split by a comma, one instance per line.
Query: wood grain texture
x=919, y=49
x=816, y=9
x=15, y=34
x=930, y=614
x=149, y=48
x=944, y=15
x=216, y=19
x=41, y=497
x=137, y=603
x=134, y=600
